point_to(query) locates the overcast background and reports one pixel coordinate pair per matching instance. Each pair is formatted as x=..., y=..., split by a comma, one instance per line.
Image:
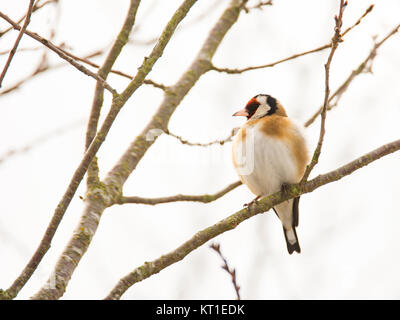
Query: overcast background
x=349, y=230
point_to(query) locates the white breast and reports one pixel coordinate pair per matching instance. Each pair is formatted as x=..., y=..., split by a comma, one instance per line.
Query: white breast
x=263, y=162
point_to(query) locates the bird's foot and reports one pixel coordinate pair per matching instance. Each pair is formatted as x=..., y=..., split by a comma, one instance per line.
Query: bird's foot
x=254, y=201
x=285, y=188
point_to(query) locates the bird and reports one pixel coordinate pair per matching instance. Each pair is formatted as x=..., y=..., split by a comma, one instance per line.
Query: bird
x=269, y=153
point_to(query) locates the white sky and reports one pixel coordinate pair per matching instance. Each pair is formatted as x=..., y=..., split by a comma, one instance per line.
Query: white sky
x=348, y=230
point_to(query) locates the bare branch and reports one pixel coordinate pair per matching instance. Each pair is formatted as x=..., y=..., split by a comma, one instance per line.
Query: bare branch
x=98, y=98
x=174, y=95
x=120, y=73
x=104, y=196
x=197, y=144
x=294, y=56
x=369, y=9
x=36, y=7
x=42, y=67
x=155, y=84
x=359, y=70
x=225, y=266
x=259, y=6
x=109, y=192
x=20, y=34
x=150, y=268
x=2, y=53
x=206, y=198
x=269, y=65
x=60, y=52
x=335, y=42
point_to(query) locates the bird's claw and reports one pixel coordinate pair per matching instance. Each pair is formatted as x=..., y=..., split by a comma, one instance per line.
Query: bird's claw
x=285, y=188
x=254, y=201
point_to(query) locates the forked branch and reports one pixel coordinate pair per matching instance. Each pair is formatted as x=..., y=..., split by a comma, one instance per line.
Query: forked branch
x=361, y=68
x=60, y=53
x=294, y=56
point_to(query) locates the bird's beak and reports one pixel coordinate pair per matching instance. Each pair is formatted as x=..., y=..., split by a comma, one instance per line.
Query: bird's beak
x=242, y=113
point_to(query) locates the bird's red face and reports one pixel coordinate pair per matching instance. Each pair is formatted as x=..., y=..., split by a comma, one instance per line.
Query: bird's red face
x=250, y=109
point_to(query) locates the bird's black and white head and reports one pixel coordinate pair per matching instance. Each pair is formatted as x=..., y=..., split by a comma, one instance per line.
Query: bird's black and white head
x=260, y=106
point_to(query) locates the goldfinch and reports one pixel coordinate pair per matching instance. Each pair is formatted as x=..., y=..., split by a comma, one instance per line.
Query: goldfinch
x=269, y=152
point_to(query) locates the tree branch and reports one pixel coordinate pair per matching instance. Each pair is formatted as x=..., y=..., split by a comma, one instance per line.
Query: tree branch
x=36, y=7
x=42, y=67
x=335, y=42
x=369, y=9
x=173, y=96
x=150, y=268
x=259, y=6
x=206, y=198
x=109, y=191
x=359, y=70
x=20, y=34
x=198, y=144
x=2, y=53
x=103, y=195
x=269, y=65
x=118, y=72
x=297, y=55
x=60, y=52
x=232, y=272
x=98, y=98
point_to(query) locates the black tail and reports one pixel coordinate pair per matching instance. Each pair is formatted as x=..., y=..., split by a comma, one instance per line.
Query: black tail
x=292, y=241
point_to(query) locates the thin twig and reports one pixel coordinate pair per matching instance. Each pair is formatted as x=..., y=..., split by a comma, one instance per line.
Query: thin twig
x=269, y=65
x=60, y=52
x=225, y=266
x=365, y=65
x=36, y=7
x=42, y=67
x=335, y=42
x=294, y=56
x=205, y=198
x=20, y=34
x=150, y=268
x=20, y=50
x=118, y=72
x=207, y=144
x=41, y=139
x=367, y=11
x=259, y=6
x=154, y=84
